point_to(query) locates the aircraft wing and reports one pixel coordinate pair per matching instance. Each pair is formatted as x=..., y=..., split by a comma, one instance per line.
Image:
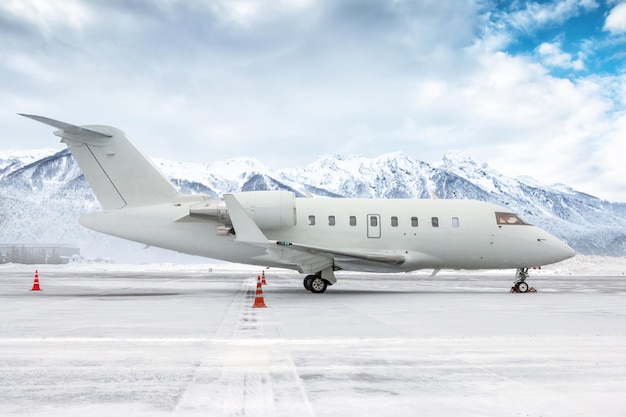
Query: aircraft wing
x=309, y=259
x=386, y=258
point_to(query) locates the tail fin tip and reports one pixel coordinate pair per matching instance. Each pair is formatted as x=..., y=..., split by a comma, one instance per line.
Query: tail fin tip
x=69, y=131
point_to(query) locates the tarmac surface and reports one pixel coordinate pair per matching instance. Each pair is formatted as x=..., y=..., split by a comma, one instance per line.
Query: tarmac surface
x=186, y=342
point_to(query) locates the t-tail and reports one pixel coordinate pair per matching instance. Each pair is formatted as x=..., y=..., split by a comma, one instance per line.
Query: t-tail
x=118, y=173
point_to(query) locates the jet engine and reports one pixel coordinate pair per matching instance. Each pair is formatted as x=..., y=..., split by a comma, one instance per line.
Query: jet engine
x=268, y=209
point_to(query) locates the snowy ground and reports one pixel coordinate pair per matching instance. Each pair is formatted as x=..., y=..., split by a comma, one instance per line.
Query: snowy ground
x=147, y=340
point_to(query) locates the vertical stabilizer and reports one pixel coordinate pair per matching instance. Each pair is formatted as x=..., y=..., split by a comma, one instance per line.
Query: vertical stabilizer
x=118, y=173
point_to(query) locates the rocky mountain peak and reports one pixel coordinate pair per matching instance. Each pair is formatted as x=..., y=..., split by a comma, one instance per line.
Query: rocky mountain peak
x=44, y=192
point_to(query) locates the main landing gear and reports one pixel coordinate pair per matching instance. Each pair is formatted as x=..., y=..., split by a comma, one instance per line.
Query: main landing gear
x=520, y=283
x=315, y=283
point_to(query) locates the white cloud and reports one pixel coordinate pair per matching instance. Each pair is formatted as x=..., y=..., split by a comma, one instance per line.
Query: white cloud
x=511, y=113
x=536, y=15
x=610, y=153
x=288, y=84
x=616, y=20
x=47, y=15
x=552, y=55
x=29, y=66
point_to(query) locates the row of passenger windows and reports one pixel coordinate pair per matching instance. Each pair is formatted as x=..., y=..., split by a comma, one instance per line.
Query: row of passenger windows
x=373, y=220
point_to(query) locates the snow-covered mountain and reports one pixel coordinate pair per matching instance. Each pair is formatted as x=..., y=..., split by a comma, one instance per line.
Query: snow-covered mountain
x=43, y=193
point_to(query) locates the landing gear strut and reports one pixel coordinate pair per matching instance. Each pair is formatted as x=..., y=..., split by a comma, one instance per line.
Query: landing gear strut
x=520, y=283
x=315, y=283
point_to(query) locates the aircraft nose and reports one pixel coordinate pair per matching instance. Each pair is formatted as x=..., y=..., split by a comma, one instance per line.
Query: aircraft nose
x=557, y=250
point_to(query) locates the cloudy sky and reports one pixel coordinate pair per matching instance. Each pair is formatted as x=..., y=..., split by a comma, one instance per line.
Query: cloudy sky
x=531, y=88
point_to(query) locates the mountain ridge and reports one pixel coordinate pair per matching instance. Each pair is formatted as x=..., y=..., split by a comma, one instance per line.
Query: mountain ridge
x=47, y=182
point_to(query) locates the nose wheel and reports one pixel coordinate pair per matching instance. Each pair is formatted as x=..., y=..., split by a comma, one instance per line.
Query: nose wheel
x=520, y=283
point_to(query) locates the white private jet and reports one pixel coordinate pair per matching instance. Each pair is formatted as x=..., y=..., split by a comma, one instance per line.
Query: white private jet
x=316, y=236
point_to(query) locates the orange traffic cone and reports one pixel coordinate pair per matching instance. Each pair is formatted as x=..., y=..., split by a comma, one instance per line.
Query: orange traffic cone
x=36, y=282
x=263, y=279
x=259, y=302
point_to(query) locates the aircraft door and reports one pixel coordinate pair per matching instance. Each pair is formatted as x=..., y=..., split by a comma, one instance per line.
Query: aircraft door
x=373, y=225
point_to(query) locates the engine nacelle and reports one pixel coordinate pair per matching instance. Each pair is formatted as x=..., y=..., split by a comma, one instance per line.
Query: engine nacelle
x=268, y=209
x=215, y=209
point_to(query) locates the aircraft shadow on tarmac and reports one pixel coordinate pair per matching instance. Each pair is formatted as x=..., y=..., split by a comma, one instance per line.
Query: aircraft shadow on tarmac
x=382, y=292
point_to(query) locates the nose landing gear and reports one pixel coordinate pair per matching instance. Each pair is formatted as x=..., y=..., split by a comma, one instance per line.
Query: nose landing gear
x=520, y=283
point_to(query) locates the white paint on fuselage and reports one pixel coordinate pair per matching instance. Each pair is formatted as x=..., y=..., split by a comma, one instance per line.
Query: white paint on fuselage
x=477, y=243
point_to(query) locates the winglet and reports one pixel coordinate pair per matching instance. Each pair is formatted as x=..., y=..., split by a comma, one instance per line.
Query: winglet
x=246, y=230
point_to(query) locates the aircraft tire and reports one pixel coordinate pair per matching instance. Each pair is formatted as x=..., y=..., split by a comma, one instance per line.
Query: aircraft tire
x=307, y=282
x=521, y=286
x=318, y=285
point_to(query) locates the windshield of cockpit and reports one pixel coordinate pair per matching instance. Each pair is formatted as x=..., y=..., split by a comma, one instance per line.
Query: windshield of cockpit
x=509, y=218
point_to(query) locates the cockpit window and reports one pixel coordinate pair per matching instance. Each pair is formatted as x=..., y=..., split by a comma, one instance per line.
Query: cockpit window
x=509, y=218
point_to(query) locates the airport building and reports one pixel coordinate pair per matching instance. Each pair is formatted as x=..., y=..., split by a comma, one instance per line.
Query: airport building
x=38, y=254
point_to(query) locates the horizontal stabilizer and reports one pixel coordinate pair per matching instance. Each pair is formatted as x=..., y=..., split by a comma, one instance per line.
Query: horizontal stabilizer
x=74, y=131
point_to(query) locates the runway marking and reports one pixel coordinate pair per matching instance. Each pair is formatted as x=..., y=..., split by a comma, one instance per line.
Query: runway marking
x=231, y=382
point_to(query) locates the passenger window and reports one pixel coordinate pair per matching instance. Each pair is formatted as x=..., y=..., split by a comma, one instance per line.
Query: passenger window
x=455, y=222
x=414, y=221
x=331, y=220
x=394, y=221
x=435, y=221
x=352, y=220
x=373, y=221
x=311, y=220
